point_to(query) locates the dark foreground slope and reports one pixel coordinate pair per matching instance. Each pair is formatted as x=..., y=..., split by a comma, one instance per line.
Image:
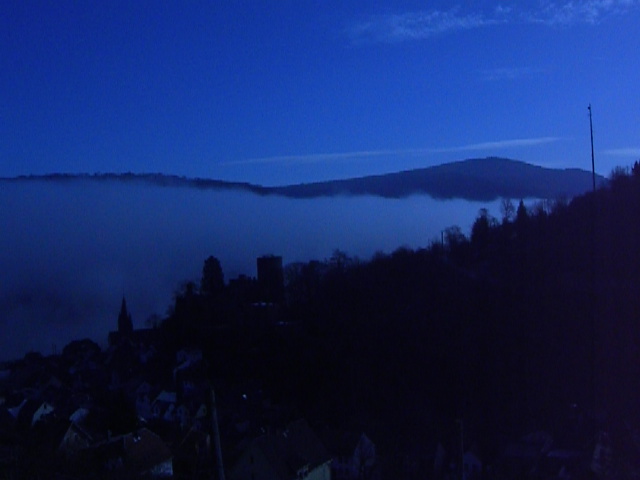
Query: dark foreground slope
x=528, y=325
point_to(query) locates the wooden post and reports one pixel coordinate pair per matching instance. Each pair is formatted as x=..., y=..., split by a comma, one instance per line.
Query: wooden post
x=215, y=433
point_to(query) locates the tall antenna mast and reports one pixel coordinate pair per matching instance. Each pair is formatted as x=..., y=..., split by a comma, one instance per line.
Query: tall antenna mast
x=593, y=161
x=593, y=280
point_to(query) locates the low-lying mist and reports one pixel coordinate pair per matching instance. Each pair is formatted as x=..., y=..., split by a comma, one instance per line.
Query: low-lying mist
x=69, y=251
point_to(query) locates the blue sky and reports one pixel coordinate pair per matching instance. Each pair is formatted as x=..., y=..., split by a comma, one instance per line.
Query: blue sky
x=300, y=90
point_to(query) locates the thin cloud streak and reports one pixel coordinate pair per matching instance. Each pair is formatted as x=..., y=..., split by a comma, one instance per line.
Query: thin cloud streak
x=624, y=152
x=317, y=157
x=358, y=155
x=589, y=12
x=415, y=25
x=419, y=25
x=503, y=144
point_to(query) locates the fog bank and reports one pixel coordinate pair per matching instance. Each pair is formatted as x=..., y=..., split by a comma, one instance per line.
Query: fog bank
x=70, y=251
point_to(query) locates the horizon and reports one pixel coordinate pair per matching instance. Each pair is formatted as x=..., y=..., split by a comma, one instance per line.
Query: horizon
x=300, y=93
x=183, y=177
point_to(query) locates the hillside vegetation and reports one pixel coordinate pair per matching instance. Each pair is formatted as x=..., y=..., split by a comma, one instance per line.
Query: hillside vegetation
x=530, y=323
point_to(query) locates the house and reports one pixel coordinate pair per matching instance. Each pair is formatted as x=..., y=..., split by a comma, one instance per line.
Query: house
x=190, y=413
x=76, y=438
x=144, y=395
x=295, y=453
x=190, y=380
x=164, y=406
x=193, y=455
x=471, y=466
x=141, y=453
x=15, y=410
x=523, y=457
x=354, y=455
x=146, y=454
x=188, y=356
x=424, y=458
x=601, y=462
x=24, y=412
x=42, y=412
x=566, y=463
x=86, y=429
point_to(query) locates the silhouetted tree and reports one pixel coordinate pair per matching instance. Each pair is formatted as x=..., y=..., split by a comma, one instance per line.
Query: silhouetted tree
x=453, y=237
x=212, y=282
x=481, y=231
x=521, y=214
x=339, y=260
x=508, y=210
x=522, y=218
x=495, y=330
x=619, y=177
x=456, y=243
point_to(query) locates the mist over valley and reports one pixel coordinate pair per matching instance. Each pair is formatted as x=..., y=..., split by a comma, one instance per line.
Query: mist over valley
x=72, y=249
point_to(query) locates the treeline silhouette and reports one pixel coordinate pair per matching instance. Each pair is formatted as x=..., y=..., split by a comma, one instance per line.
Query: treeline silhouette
x=477, y=179
x=529, y=323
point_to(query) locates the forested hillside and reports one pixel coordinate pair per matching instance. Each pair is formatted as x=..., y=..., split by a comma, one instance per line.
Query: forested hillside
x=530, y=323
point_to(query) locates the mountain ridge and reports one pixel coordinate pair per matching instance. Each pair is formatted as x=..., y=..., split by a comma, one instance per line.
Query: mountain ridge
x=477, y=179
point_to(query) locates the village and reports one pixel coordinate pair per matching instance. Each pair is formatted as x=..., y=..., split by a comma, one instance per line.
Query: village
x=69, y=416
x=132, y=411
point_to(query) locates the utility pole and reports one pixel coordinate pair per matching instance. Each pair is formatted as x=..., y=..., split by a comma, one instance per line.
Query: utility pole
x=593, y=158
x=215, y=433
x=593, y=279
x=460, y=421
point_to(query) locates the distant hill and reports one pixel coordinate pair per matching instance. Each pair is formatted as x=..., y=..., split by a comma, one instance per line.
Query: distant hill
x=158, y=179
x=474, y=179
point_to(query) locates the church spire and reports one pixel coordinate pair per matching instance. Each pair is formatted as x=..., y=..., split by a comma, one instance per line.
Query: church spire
x=125, y=325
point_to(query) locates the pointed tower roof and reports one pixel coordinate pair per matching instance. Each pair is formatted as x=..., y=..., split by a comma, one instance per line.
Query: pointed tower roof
x=125, y=325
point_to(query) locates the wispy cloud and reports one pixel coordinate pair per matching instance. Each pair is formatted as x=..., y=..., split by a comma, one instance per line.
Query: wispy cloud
x=418, y=25
x=575, y=12
x=414, y=25
x=366, y=154
x=624, y=152
x=320, y=157
x=502, y=144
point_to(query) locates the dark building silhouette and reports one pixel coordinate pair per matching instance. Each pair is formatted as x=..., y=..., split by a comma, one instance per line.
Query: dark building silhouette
x=271, y=279
x=125, y=325
x=125, y=334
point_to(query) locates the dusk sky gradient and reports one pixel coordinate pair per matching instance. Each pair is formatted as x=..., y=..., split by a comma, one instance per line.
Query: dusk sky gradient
x=278, y=92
